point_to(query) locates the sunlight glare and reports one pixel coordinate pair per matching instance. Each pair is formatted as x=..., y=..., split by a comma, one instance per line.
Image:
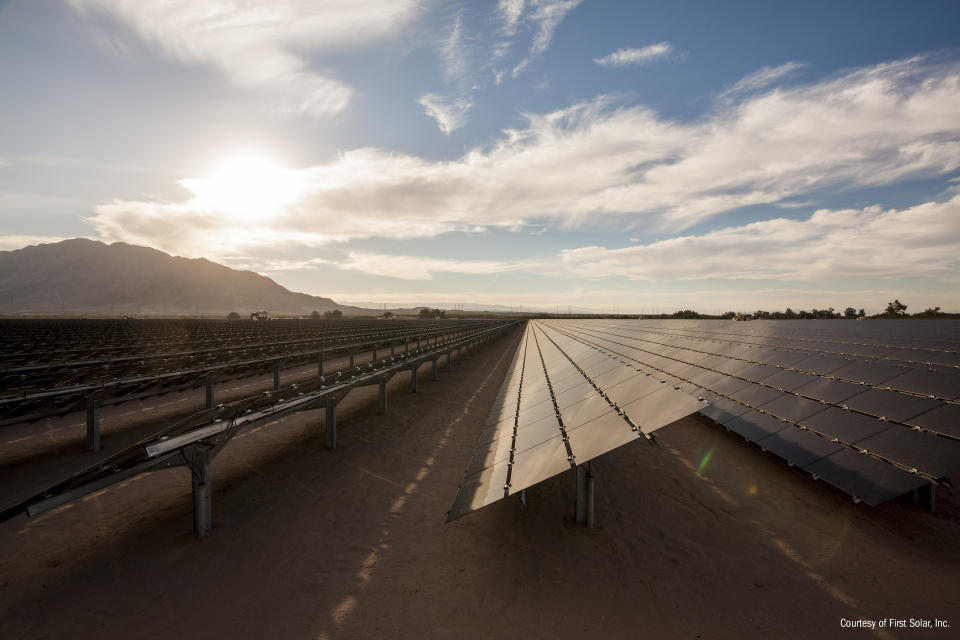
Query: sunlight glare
x=246, y=188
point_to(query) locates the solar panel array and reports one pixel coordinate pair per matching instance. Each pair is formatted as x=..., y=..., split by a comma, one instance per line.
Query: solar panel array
x=51, y=367
x=562, y=403
x=872, y=408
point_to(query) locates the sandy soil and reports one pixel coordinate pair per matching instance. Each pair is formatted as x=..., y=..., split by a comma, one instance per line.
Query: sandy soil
x=311, y=543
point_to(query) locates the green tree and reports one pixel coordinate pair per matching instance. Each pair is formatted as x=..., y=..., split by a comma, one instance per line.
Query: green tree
x=789, y=314
x=861, y=313
x=729, y=315
x=850, y=312
x=387, y=314
x=896, y=309
x=233, y=315
x=336, y=314
x=315, y=315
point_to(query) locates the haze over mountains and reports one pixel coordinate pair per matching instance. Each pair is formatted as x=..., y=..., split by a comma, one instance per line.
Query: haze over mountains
x=83, y=276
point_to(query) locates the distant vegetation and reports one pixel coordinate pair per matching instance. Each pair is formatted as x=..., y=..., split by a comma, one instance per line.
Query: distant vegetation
x=895, y=309
x=336, y=314
x=431, y=314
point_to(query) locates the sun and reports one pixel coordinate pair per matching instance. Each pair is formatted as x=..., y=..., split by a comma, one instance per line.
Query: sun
x=246, y=188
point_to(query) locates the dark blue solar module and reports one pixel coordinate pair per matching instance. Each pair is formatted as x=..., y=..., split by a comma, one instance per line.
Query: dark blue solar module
x=869, y=407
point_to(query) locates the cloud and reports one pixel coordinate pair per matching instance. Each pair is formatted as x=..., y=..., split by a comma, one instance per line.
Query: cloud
x=923, y=240
x=761, y=78
x=510, y=12
x=419, y=268
x=623, y=57
x=599, y=165
x=5, y=163
x=453, y=54
x=262, y=45
x=450, y=113
x=546, y=17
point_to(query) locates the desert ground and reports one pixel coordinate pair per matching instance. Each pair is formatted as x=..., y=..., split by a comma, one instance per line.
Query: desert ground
x=702, y=536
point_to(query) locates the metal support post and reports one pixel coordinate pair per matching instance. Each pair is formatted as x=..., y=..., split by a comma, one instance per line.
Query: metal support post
x=392, y=351
x=319, y=366
x=383, y=396
x=351, y=361
x=374, y=355
x=413, y=380
x=436, y=375
x=202, y=492
x=406, y=346
x=449, y=359
x=209, y=395
x=276, y=378
x=330, y=424
x=93, y=424
x=584, y=504
x=926, y=496
x=418, y=343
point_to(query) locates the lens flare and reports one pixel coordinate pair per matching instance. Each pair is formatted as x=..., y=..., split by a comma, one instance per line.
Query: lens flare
x=704, y=462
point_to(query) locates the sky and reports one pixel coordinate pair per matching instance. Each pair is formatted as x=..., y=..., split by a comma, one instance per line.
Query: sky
x=535, y=154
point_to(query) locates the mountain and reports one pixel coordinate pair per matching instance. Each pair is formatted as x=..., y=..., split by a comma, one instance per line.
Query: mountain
x=82, y=276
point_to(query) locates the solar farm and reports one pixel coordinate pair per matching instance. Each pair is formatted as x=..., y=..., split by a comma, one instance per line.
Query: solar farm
x=379, y=478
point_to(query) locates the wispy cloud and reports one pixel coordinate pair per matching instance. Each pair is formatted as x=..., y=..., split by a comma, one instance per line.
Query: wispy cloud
x=450, y=113
x=452, y=52
x=761, y=79
x=5, y=163
x=510, y=12
x=545, y=17
x=623, y=57
x=923, y=240
x=598, y=165
x=262, y=45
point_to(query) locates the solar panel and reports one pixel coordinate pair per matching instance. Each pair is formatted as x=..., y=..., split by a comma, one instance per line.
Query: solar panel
x=867, y=371
x=928, y=382
x=754, y=425
x=866, y=478
x=821, y=364
x=891, y=405
x=943, y=419
x=800, y=448
x=793, y=408
x=927, y=451
x=814, y=393
x=786, y=380
x=723, y=410
x=832, y=391
x=846, y=426
x=560, y=416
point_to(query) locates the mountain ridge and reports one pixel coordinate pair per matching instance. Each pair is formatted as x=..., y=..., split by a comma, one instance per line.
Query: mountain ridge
x=82, y=276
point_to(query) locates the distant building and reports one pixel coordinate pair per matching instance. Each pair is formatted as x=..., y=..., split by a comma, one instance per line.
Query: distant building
x=260, y=315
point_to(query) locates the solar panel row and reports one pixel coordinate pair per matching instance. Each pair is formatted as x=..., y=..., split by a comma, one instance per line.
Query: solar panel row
x=562, y=404
x=871, y=428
